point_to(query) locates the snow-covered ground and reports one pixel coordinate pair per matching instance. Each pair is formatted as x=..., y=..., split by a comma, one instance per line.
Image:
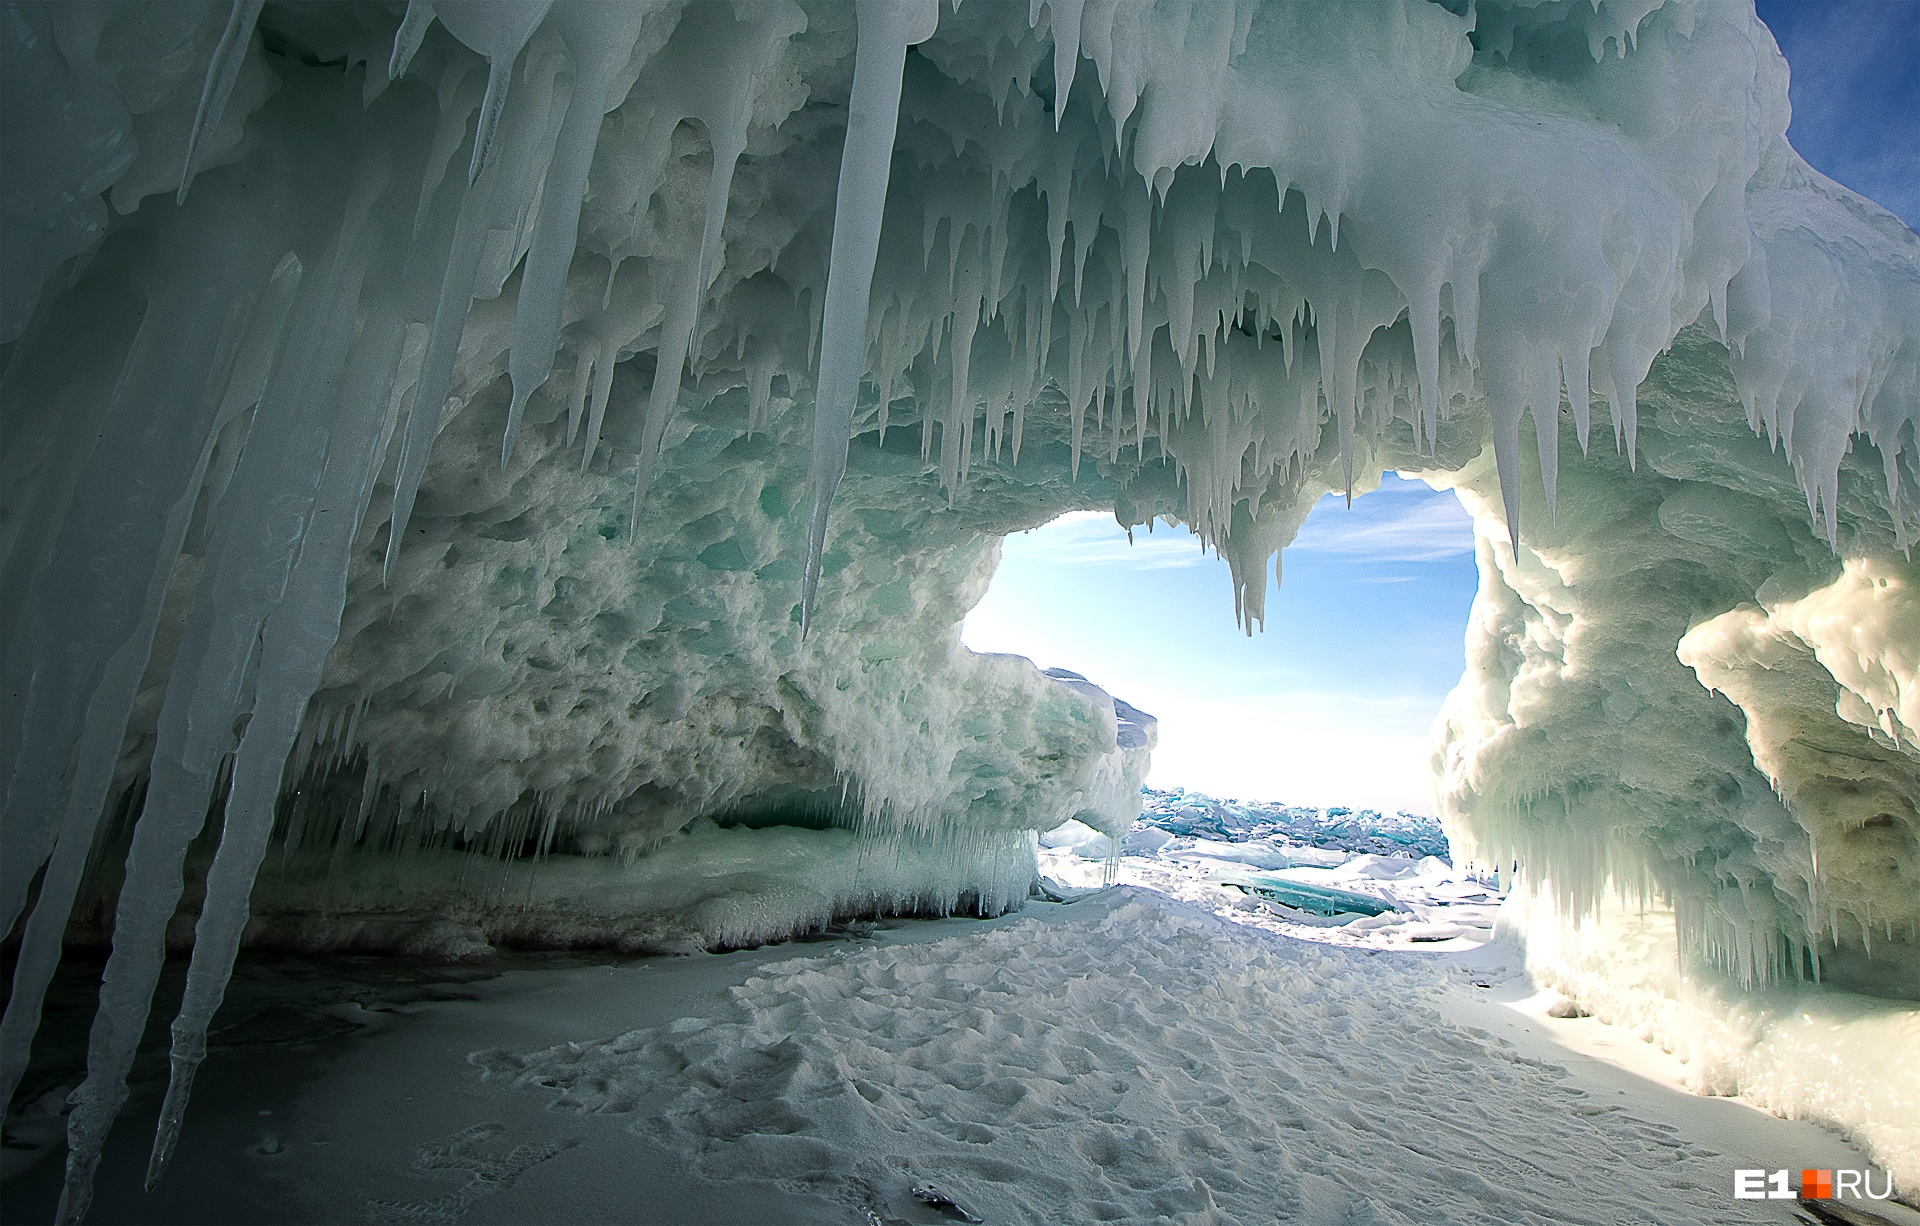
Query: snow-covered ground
x=1129, y=1056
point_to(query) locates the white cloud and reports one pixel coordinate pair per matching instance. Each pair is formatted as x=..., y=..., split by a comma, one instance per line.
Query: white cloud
x=1402, y=521
x=1094, y=539
x=1396, y=528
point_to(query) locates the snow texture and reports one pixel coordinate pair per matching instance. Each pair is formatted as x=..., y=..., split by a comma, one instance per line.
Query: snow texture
x=1795, y=1050
x=1786, y=1048
x=407, y=418
x=1136, y=1060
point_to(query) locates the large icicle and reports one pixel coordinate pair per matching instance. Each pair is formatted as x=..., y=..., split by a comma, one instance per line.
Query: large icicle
x=887, y=29
x=498, y=30
x=105, y=721
x=1064, y=16
x=294, y=643
x=222, y=72
x=723, y=103
x=601, y=39
x=263, y=520
x=91, y=593
x=455, y=298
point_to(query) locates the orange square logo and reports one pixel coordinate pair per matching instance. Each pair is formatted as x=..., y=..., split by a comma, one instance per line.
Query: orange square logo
x=1816, y=1185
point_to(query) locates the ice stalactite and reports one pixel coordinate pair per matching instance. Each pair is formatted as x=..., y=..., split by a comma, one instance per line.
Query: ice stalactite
x=295, y=638
x=461, y=269
x=498, y=30
x=723, y=104
x=173, y=347
x=887, y=29
x=251, y=654
x=228, y=58
x=599, y=40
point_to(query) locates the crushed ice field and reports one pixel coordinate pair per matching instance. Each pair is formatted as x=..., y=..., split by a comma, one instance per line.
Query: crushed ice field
x=1164, y=1050
x=1430, y=904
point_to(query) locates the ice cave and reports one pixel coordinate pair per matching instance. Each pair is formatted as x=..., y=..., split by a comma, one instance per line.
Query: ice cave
x=508, y=475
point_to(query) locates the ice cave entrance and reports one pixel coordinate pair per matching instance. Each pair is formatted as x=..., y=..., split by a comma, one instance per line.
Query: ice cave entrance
x=1330, y=705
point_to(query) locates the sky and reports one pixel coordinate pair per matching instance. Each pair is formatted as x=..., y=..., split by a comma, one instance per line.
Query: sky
x=1330, y=705
x=1855, y=93
x=1334, y=703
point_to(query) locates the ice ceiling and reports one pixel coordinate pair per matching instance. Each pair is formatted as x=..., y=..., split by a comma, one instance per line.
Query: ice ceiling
x=523, y=434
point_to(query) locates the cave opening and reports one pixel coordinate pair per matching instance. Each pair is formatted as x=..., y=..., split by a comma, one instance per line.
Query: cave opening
x=1330, y=703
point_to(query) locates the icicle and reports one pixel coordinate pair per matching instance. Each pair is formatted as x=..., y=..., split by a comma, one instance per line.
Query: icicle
x=295, y=641
x=214, y=679
x=407, y=39
x=103, y=729
x=601, y=38
x=1506, y=455
x=1058, y=188
x=1546, y=435
x=1339, y=389
x=596, y=414
x=1575, y=376
x=1626, y=402
x=724, y=104
x=497, y=30
x=886, y=29
x=1137, y=241
x=160, y=840
x=1423, y=317
x=1076, y=390
x=956, y=437
x=436, y=370
x=222, y=71
x=1066, y=23
x=577, y=393
x=670, y=361
x=85, y=646
x=457, y=102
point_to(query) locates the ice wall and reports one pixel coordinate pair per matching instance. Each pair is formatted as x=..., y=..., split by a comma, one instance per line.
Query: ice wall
x=1844, y=1058
x=1683, y=718
x=520, y=428
x=1683, y=688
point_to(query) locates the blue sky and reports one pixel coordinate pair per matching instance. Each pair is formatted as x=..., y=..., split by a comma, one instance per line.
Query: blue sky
x=1334, y=702
x=1330, y=705
x=1856, y=93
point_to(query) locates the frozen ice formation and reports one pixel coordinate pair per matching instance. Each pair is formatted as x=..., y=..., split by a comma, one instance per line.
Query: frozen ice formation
x=464, y=436
x=1786, y=1046
x=1195, y=815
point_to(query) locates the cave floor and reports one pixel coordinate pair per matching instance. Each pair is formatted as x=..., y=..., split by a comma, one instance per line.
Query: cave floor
x=1124, y=1057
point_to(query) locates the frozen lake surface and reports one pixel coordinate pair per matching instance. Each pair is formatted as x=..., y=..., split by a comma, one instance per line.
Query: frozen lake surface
x=1129, y=1056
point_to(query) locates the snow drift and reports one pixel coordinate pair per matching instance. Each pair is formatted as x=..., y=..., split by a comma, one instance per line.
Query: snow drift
x=519, y=429
x=1235, y=1078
